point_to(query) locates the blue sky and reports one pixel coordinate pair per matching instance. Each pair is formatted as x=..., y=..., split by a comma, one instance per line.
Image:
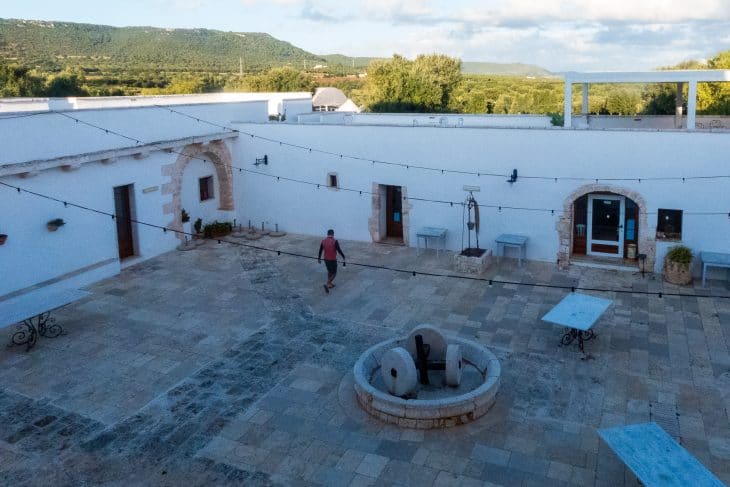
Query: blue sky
x=560, y=35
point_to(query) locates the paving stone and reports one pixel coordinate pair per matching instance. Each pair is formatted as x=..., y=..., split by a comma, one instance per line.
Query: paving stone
x=372, y=465
x=144, y=379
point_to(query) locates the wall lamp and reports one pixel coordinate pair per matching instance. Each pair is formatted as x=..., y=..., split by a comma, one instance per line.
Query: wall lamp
x=513, y=176
x=262, y=160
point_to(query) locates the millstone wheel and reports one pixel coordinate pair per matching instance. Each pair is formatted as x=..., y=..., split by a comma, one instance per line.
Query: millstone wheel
x=454, y=365
x=432, y=337
x=398, y=372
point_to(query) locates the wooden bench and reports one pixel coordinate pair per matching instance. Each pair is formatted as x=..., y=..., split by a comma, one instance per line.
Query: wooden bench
x=655, y=458
x=31, y=312
x=713, y=259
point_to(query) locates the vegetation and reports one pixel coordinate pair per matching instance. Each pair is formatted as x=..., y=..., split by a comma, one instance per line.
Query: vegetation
x=680, y=254
x=66, y=59
x=422, y=85
x=217, y=229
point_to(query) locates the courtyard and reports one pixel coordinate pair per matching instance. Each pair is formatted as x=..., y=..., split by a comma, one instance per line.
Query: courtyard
x=229, y=365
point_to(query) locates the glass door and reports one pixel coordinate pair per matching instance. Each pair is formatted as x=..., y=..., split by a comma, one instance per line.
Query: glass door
x=605, y=225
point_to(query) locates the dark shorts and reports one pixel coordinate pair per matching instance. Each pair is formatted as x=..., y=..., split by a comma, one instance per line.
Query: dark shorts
x=331, y=266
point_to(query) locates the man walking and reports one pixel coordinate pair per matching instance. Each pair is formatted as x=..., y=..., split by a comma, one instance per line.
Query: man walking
x=330, y=247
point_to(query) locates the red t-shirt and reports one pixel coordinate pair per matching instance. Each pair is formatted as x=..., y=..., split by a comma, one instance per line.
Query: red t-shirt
x=329, y=245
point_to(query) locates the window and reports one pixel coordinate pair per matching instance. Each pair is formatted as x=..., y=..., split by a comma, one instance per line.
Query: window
x=669, y=225
x=206, y=188
x=332, y=180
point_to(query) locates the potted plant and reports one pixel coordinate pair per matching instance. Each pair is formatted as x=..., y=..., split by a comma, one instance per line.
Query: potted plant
x=3, y=238
x=187, y=227
x=678, y=265
x=55, y=224
x=198, y=225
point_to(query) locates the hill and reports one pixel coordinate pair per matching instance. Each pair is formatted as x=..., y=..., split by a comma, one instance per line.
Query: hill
x=507, y=69
x=59, y=44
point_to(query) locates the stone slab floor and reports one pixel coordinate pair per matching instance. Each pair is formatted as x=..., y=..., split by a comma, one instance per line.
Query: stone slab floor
x=228, y=366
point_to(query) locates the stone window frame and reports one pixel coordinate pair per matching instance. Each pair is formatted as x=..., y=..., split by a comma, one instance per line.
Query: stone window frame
x=331, y=175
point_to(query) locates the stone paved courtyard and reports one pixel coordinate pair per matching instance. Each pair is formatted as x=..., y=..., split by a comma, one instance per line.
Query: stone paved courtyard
x=226, y=365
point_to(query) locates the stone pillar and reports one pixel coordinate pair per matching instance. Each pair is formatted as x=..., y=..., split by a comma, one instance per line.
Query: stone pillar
x=691, y=105
x=584, y=106
x=679, y=101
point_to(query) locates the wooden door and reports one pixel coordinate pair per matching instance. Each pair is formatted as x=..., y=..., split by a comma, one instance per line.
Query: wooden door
x=394, y=212
x=123, y=211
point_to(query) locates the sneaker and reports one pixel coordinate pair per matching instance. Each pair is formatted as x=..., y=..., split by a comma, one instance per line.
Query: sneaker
x=326, y=289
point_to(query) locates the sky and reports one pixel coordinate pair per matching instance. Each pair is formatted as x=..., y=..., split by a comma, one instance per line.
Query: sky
x=559, y=35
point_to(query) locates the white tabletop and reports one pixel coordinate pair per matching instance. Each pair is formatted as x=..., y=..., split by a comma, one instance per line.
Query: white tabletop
x=510, y=239
x=33, y=303
x=578, y=311
x=431, y=232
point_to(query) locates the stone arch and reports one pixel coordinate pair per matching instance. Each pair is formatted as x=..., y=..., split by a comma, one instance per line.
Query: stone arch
x=564, y=225
x=217, y=153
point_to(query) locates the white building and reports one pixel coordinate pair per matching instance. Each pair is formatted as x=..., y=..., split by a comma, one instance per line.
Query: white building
x=596, y=187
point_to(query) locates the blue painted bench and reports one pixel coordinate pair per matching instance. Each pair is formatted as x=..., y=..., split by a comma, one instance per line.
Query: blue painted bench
x=713, y=259
x=655, y=458
x=517, y=241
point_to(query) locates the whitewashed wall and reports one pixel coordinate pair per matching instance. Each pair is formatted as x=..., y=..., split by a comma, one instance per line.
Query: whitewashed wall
x=52, y=135
x=553, y=153
x=85, y=249
x=33, y=255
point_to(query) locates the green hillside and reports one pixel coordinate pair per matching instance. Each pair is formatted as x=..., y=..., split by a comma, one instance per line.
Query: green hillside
x=505, y=69
x=61, y=44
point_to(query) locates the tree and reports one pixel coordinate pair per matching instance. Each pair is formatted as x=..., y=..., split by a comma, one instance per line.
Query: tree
x=18, y=81
x=65, y=84
x=276, y=79
x=423, y=85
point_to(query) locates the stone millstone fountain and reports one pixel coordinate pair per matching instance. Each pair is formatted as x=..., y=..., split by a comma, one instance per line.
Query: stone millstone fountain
x=427, y=380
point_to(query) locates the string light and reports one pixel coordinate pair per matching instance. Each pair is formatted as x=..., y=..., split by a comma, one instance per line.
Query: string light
x=444, y=170
x=414, y=273
x=359, y=191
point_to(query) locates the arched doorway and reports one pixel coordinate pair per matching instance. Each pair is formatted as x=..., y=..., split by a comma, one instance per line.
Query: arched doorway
x=215, y=153
x=605, y=221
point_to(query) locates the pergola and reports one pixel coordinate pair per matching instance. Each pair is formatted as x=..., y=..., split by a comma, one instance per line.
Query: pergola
x=692, y=77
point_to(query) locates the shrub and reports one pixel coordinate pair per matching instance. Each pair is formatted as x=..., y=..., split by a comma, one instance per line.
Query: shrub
x=680, y=254
x=217, y=229
x=198, y=225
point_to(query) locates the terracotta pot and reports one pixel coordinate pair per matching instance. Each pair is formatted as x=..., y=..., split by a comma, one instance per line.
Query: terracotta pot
x=52, y=228
x=677, y=273
x=3, y=238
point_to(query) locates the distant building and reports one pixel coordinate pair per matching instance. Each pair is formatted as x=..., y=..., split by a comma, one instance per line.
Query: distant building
x=328, y=99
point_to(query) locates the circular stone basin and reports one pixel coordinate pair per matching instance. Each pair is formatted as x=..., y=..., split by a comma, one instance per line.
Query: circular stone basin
x=436, y=406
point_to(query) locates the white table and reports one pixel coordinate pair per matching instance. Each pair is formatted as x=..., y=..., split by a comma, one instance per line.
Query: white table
x=432, y=233
x=31, y=312
x=578, y=312
x=517, y=241
x=713, y=259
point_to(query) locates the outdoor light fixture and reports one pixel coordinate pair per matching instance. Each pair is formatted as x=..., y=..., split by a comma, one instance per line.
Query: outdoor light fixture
x=262, y=160
x=513, y=177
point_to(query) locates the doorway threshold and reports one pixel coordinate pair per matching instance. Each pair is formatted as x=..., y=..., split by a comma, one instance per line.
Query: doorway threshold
x=392, y=241
x=615, y=264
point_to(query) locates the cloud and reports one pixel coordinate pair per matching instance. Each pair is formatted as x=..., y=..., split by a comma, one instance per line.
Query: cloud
x=309, y=12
